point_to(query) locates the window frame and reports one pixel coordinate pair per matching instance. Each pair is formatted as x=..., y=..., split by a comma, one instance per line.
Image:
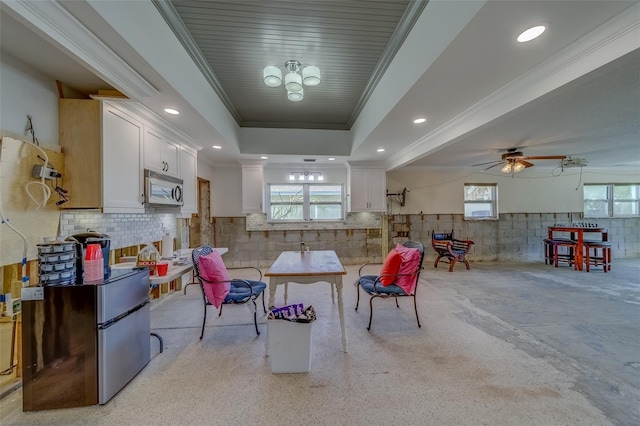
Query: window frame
x=611, y=199
x=493, y=201
x=306, y=203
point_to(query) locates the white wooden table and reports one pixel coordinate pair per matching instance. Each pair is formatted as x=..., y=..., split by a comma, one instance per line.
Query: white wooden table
x=307, y=267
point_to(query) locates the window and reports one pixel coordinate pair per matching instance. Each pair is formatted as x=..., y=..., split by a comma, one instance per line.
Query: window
x=480, y=201
x=611, y=200
x=305, y=201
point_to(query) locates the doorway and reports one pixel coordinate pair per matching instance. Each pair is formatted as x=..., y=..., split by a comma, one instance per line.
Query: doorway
x=200, y=231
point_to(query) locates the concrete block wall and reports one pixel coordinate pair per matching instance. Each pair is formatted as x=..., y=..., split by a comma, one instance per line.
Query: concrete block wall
x=516, y=236
x=261, y=248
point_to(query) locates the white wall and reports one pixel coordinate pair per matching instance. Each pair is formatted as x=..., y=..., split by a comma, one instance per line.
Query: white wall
x=532, y=191
x=279, y=173
x=23, y=92
x=226, y=188
x=435, y=191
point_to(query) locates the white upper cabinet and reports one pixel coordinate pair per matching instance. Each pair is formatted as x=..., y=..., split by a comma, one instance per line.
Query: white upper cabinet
x=189, y=175
x=367, y=189
x=252, y=188
x=161, y=154
x=107, y=145
x=121, y=159
x=102, y=146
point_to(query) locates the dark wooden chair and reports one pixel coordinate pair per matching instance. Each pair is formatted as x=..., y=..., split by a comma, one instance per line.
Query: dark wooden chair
x=453, y=250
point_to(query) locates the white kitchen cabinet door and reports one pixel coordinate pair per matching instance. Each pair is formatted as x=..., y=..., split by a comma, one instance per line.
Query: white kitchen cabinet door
x=160, y=153
x=121, y=162
x=189, y=174
x=252, y=189
x=378, y=190
x=368, y=190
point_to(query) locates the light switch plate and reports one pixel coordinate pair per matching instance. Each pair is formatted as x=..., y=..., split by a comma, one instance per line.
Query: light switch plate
x=32, y=293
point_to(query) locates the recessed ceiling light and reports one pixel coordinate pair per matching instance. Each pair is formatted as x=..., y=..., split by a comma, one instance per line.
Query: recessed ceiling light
x=264, y=157
x=419, y=120
x=331, y=159
x=531, y=33
x=216, y=147
x=380, y=149
x=171, y=111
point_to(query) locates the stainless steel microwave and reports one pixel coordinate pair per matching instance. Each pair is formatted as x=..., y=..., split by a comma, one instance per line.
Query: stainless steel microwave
x=162, y=190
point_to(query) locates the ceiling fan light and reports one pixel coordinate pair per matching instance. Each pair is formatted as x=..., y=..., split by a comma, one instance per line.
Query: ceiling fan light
x=518, y=167
x=311, y=75
x=293, y=82
x=295, y=96
x=506, y=168
x=272, y=76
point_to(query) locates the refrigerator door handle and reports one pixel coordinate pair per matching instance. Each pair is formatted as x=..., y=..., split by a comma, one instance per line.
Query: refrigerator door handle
x=114, y=320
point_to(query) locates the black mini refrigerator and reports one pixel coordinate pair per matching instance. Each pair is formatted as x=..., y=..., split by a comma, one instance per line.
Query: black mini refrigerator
x=83, y=343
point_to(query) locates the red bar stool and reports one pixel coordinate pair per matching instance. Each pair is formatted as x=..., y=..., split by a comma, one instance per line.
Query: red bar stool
x=603, y=258
x=549, y=244
x=565, y=257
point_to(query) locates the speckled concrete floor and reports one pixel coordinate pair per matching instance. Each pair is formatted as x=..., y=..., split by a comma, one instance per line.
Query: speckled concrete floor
x=501, y=344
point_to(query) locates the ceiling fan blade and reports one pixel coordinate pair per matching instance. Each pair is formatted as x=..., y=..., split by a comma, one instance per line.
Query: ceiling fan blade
x=495, y=163
x=547, y=157
x=526, y=163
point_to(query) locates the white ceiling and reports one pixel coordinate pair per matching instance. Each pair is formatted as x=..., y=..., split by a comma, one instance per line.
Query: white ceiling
x=574, y=91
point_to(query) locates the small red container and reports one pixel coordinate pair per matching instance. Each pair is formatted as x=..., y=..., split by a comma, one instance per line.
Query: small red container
x=162, y=269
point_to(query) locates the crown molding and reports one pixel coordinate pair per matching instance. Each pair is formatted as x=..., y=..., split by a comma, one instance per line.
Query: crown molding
x=406, y=23
x=173, y=20
x=54, y=23
x=146, y=115
x=606, y=43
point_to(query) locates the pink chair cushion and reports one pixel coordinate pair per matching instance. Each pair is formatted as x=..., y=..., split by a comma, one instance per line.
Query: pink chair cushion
x=212, y=269
x=409, y=265
x=390, y=266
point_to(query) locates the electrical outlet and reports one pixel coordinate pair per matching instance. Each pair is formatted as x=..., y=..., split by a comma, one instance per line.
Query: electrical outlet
x=46, y=172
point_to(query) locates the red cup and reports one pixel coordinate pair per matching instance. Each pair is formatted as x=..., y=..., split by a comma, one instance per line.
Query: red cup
x=162, y=268
x=93, y=252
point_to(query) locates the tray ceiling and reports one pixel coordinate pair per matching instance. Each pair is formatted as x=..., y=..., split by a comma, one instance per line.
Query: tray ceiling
x=352, y=42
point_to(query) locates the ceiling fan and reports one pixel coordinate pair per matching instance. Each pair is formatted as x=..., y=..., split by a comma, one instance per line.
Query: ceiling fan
x=514, y=161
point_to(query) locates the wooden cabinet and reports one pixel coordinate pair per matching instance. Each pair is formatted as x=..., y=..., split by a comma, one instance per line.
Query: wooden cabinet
x=367, y=190
x=252, y=189
x=102, y=146
x=188, y=173
x=161, y=154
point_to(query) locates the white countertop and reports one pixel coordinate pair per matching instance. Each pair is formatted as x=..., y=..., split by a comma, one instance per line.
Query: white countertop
x=174, y=272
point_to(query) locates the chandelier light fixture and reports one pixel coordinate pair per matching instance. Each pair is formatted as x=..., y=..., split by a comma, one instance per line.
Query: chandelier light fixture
x=296, y=76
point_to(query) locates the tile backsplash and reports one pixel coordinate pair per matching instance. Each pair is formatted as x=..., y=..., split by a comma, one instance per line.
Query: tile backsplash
x=124, y=229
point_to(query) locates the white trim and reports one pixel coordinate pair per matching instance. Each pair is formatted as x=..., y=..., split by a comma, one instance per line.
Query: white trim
x=144, y=114
x=58, y=26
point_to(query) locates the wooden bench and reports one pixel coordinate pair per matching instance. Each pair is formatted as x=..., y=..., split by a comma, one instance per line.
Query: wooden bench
x=450, y=248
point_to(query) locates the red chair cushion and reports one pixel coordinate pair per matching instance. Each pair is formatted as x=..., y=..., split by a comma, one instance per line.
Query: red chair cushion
x=409, y=265
x=212, y=270
x=390, y=266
